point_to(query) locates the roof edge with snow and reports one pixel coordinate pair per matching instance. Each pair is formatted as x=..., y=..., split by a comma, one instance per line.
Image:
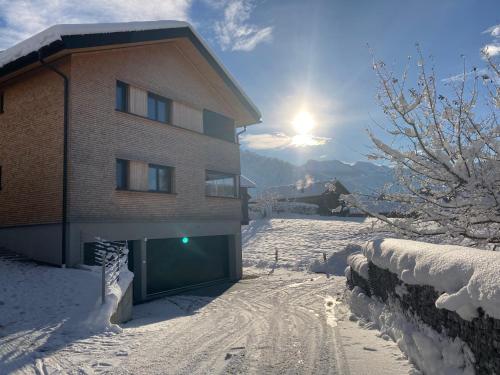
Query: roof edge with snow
x=77, y=36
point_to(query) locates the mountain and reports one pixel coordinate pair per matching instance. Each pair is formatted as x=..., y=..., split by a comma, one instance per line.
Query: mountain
x=266, y=171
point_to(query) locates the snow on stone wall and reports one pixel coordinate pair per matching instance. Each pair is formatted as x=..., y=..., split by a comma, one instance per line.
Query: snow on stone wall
x=467, y=278
x=451, y=290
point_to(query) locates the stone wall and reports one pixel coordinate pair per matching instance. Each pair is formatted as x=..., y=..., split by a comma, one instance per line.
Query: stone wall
x=482, y=334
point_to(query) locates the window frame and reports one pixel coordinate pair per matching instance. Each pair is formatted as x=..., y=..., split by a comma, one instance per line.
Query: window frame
x=168, y=107
x=125, y=177
x=223, y=175
x=170, y=178
x=125, y=100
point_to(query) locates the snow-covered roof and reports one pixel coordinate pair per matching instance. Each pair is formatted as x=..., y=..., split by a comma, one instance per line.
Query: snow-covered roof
x=57, y=33
x=245, y=182
x=302, y=189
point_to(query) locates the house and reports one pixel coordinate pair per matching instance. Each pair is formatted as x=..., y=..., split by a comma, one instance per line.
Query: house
x=245, y=184
x=324, y=194
x=123, y=131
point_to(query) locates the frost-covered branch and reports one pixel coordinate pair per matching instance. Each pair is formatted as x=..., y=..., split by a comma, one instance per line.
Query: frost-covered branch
x=444, y=146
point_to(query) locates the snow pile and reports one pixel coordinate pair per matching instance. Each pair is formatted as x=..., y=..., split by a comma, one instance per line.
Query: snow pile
x=433, y=353
x=99, y=319
x=337, y=262
x=469, y=278
x=56, y=33
x=359, y=264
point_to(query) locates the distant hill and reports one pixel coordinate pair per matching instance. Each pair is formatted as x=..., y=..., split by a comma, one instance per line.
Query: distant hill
x=362, y=177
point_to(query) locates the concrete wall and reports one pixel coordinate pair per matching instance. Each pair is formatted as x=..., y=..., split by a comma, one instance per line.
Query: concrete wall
x=38, y=242
x=123, y=311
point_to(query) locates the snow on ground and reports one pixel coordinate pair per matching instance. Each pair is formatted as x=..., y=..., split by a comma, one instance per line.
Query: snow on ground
x=43, y=308
x=432, y=352
x=300, y=240
x=278, y=319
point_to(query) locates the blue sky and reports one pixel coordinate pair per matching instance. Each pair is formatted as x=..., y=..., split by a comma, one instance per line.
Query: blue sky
x=291, y=56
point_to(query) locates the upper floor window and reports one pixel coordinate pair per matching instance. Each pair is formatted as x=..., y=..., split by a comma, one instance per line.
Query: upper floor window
x=2, y=102
x=218, y=126
x=219, y=184
x=121, y=174
x=158, y=108
x=121, y=96
x=160, y=178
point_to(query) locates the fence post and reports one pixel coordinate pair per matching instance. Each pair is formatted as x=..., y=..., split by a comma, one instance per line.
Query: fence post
x=276, y=255
x=103, y=286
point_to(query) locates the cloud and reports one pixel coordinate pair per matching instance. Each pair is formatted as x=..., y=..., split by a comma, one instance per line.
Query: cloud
x=268, y=141
x=460, y=77
x=493, y=48
x=21, y=19
x=234, y=32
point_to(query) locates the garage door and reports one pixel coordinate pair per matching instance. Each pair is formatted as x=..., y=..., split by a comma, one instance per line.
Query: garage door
x=174, y=263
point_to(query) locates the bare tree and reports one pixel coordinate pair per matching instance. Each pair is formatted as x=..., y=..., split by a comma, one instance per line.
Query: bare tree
x=443, y=140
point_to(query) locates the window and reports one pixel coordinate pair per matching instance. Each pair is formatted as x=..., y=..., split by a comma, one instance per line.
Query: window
x=1, y=102
x=121, y=174
x=158, y=108
x=218, y=126
x=160, y=178
x=121, y=96
x=221, y=185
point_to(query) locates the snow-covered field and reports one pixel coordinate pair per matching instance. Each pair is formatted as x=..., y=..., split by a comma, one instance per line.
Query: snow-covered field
x=279, y=319
x=300, y=240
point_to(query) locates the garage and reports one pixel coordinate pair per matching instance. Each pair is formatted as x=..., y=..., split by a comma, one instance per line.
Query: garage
x=177, y=263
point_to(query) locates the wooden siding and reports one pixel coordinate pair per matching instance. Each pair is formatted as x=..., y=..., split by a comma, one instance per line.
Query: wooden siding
x=138, y=101
x=138, y=175
x=187, y=117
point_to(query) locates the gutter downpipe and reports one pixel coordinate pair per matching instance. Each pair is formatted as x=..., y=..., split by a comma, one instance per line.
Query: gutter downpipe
x=65, y=158
x=239, y=133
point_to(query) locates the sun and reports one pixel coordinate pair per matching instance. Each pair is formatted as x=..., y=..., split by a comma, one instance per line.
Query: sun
x=303, y=122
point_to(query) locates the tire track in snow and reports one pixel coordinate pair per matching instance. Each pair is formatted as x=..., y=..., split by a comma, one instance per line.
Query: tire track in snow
x=266, y=325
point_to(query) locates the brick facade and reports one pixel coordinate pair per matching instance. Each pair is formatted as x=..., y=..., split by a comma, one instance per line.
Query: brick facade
x=31, y=151
x=31, y=144
x=100, y=134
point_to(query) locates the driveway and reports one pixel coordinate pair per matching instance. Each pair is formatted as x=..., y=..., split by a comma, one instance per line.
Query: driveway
x=285, y=322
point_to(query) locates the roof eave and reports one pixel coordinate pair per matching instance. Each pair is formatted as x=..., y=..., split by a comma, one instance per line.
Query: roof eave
x=76, y=42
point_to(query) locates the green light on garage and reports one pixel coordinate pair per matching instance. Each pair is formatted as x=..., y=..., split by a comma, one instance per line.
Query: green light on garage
x=185, y=240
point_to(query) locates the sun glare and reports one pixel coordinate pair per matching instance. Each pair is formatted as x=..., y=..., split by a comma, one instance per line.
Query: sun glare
x=303, y=123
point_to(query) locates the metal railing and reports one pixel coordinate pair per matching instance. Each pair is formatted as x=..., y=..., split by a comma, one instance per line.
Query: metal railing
x=111, y=256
